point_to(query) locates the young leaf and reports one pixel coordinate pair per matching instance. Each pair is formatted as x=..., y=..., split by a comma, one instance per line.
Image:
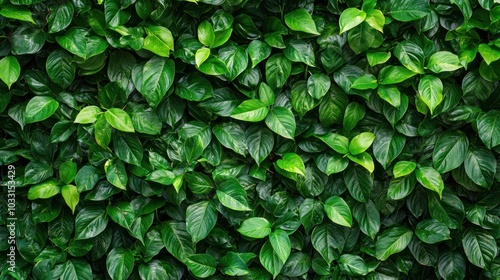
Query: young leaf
x=430, y=179
x=119, y=119
x=361, y=143
x=350, y=18
x=40, y=108
x=293, y=163
x=9, y=70
x=301, y=20
x=338, y=211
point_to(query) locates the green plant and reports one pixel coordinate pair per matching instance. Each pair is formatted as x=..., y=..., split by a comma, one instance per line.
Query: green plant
x=266, y=139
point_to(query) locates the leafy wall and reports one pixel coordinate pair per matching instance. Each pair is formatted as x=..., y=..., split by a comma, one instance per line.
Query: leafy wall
x=339, y=139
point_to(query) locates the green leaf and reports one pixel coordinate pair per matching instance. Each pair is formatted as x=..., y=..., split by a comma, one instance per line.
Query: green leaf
x=361, y=143
x=206, y=33
x=255, y=227
x=67, y=171
x=411, y=56
x=234, y=264
x=293, y=163
x=409, y=10
x=90, y=222
x=451, y=265
x=119, y=119
x=364, y=82
x=77, y=269
x=154, y=79
x=159, y=40
x=480, y=247
x=302, y=102
x=337, y=142
x=177, y=240
x=88, y=114
x=301, y=20
x=79, y=42
x=281, y=244
x=120, y=263
x=338, y=211
x=122, y=213
x=201, y=265
x=352, y=265
x=489, y=53
x=394, y=74
x=481, y=166
x=213, y=66
x=258, y=51
x=311, y=213
x=432, y=231
x=368, y=217
x=376, y=58
x=450, y=150
x=443, y=61
x=403, y=168
x=364, y=159
x=270, y=259
x=231, y=136
x=350, y=18
x=71, y=196
x=260, y=142
x=430, y=90
x=252, y=110
x=60, y=17
x=201, y=218
x=232, y=195
x=40, y=108
x=9, y=70
x=318, y=85
x=116, y=173
x=391, y=94
x=359, y=182
x=46, y=189
x=328, y=240
x=236, y=60
x=353, y=114
x=376, y=19
x=282, y=121
x=430, y=179
x=401, y=187
x=388, y=146
x=60, y=68
x=300, y=51
x=278, y=69
x=16, y=12
x=393, y=240
x=194, y=87
x=488, y=126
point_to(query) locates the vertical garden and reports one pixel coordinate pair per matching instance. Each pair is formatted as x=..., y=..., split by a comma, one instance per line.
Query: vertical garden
x=249, y=139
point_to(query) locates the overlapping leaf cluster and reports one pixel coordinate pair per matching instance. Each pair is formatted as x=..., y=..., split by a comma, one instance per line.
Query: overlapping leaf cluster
x=339, y=139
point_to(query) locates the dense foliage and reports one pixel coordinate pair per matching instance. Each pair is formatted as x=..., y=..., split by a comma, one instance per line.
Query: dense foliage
x=162, y=139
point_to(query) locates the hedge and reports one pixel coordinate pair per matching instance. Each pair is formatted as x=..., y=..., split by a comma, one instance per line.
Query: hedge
x=250, y=139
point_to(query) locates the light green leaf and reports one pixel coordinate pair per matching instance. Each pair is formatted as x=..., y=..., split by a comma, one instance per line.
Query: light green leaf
x=430, y=90
x=361, y=143
x=46, y=189
x=9, y=70
x=252, y=110
x=119, y=119
x=430, y=179
x=443, y=61
x=40, y=108
x=159, y=40
x=270, y=260
x=255, y=227
x=16, y=12
x=338, y=211
x=403, y=168
x=293, y=163
x=88, y=114
x=71, y=196
x=301, y=20
x=350, y=18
